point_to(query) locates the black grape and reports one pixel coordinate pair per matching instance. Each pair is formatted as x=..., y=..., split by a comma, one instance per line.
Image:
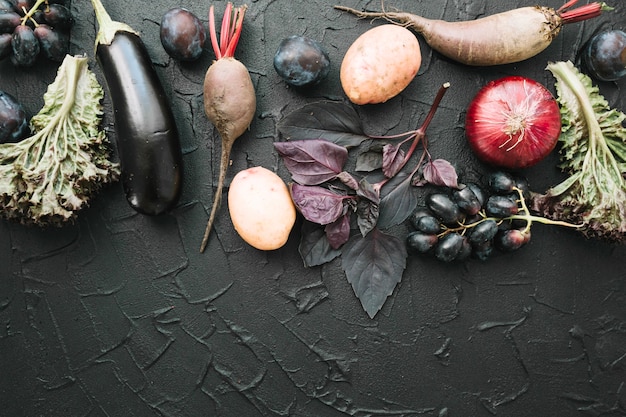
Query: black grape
x=54, y=44
x=9, y=21
x=421, y=242
x=25, y=46
x=58, y=16
x=446, y=209
x=5, y=45
x=449, y=247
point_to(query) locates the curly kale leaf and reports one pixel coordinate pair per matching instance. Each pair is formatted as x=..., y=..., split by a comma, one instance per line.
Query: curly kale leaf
x=46, y=178
x=593, y=154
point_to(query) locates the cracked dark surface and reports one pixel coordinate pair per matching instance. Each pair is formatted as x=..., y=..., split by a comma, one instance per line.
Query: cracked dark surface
x=120, y=315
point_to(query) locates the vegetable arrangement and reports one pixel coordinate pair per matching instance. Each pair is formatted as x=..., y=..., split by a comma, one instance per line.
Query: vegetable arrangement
x=229, y=96
x=147, y=135
x=512, y=123
x=48, y=177
x=502, y=38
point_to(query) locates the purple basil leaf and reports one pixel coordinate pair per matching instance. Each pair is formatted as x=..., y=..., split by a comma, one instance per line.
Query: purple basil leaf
x=333, y=121
x=348, y=179
x=440, y=172
x=370, y=158
x=368, y=191
x=312, y=162
x=373, y=265
x=393, y=157
x=317, y=204
x=398, y=204
x=338, y=232
x=367, y=215
x=314, y=246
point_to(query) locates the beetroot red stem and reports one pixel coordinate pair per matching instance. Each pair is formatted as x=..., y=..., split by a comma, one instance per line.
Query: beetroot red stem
x=230, y=30
x=588, y=11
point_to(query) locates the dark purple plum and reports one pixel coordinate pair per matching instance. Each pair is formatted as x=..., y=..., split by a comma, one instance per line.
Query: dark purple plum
x=182, y=34
x=54, y=44
x=25, y=46
x=9, y=21
x=5, y=45
x=604, y=56
x=301, y=61
x=13, y=121
x=58, y=16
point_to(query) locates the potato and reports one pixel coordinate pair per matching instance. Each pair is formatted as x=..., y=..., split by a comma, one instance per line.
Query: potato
x=261, y=208
x=380, y=64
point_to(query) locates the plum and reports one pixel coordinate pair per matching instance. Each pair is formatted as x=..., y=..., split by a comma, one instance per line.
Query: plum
x=301, y=61
x=182, y=34
x=604, y=56
x=13, y=121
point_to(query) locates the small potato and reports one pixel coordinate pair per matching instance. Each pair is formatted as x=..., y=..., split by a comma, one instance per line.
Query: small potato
x=261, y=208
x=380, y=64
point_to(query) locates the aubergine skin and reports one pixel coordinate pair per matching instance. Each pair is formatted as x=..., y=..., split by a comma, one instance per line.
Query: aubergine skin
x=148, y=141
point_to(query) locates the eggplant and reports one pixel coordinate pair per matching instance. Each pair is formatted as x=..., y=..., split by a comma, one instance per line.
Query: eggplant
x=148, y=142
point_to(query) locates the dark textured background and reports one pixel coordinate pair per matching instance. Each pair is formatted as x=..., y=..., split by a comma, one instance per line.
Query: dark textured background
x=120, y=315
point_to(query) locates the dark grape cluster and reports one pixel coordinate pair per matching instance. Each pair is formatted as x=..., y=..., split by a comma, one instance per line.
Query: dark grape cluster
x=473, y=221
x=30, y=28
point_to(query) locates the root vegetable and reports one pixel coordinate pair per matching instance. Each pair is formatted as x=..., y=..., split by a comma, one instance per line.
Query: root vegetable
x=380, y=64
x=261, y=208
x=229, y=96
x=502, y=38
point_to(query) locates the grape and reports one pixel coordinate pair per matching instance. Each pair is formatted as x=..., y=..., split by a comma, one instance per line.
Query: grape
x=444, y=208
x=428, y=224
x=6, y=6
x=421, y=242
x=483, y=231
x=9, y=21
x=25, y=46
x=482, y=251
x=54, y=44
x=501, y=182
x=501, y=206
x=182, y=34
x=449, y=247
x=604, y=56
x=467, y=200
x=58, y=16
x=465, y=251
x=20, y=5
x=13, y=121
x=5, y=45
x=417, y=214
x=301, y=61
x=510, y=240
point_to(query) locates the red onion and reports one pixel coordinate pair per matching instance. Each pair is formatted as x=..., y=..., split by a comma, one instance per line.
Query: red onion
x=513, y=122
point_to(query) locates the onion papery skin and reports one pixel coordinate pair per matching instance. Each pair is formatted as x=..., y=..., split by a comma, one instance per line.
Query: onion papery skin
x=513, y=122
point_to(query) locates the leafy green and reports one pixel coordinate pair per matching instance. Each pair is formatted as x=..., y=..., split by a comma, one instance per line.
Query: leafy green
x=46, y=178
x=593, y=147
